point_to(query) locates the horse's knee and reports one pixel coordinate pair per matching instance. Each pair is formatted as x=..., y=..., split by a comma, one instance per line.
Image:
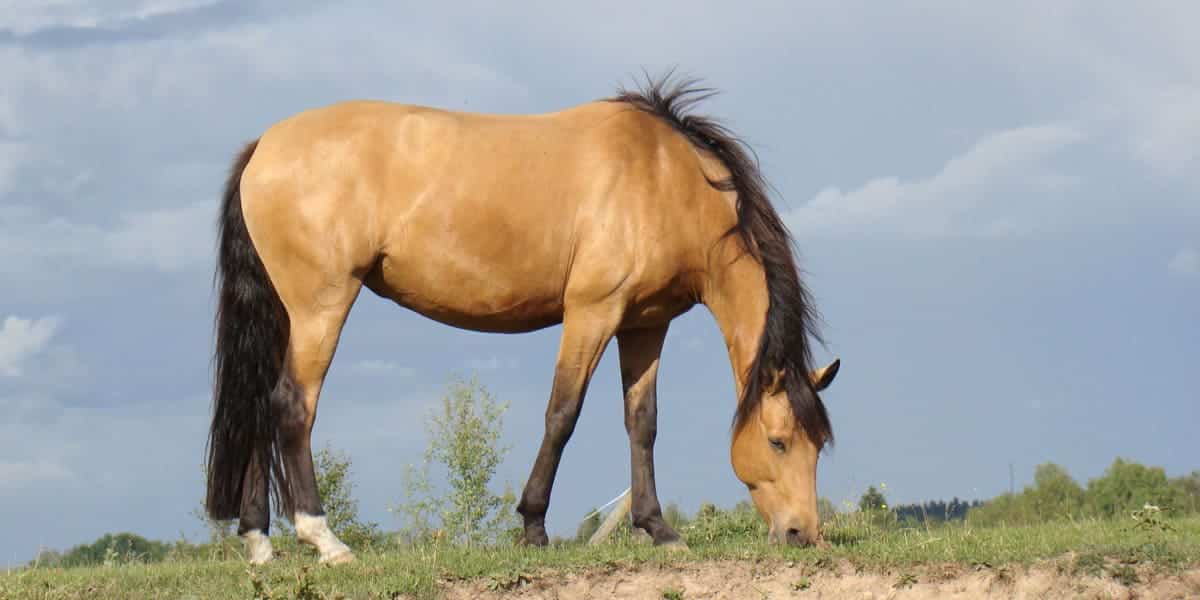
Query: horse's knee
x=642, y=426
x=560, y=424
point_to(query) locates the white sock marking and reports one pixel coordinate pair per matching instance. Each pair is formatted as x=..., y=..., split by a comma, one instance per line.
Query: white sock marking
x=259, y=546
x=314, y=530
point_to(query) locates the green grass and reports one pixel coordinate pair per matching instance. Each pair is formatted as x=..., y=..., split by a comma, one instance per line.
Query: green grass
x=1093, y=547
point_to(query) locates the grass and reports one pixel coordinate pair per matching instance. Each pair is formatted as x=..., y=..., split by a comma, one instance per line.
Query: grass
x=1092, y=547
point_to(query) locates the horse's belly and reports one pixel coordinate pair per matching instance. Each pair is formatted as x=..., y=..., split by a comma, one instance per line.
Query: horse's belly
x=470, y=295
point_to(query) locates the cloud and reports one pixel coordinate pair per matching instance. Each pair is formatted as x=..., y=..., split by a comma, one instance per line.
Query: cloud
x=965, y=197
x=22, y=339
x=1185, y=263
x=165, y=239
x=103, y=186
x=1166, y=132
x=69, y=25
x=16, y=475
x=23, y=17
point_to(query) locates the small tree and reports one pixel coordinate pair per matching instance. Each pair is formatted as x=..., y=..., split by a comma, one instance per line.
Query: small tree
x=464, y=439
x=872, y=500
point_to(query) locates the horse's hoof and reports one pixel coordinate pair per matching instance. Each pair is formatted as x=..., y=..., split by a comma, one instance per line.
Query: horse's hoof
x=340, y=558
x=676, y=546
x=259, y=548
x=535, y=539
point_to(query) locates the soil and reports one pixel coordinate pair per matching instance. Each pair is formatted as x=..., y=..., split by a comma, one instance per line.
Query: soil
x=762, y=580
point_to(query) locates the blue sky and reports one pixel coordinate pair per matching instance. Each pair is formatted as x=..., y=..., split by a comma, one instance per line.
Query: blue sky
x=996, y=206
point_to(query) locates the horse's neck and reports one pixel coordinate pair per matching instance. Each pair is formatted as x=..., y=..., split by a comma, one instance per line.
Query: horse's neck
x=737, y=298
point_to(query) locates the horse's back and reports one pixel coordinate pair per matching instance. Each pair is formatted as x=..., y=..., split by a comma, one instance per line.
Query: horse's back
x=481, y=221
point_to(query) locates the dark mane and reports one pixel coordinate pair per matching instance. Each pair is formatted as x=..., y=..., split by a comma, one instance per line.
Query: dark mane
x=791, y=317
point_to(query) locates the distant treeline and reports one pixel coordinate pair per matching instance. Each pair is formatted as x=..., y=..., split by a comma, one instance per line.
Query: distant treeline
x=935, y=511
x=1126, y=486
x=108, y=549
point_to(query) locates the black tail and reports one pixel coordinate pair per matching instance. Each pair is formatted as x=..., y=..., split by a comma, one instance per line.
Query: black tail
x=251, y=347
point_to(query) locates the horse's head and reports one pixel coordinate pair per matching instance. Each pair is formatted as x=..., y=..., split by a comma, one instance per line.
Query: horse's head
x=777, y=460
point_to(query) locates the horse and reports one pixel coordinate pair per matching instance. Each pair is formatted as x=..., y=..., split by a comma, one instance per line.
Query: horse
x=610, y=218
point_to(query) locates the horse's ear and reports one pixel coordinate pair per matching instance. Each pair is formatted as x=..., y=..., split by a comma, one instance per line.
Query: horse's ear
x=821, y=378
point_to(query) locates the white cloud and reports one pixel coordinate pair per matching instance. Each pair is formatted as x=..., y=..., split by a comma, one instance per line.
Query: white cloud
x=1148, y=90
x=964, y=197
x=16, y=475
x=70, y=168
x=25, y=16
x=1167, y=130
x=1137, y=68
x=1185, y=263
x=165, y=239
x=22, y=339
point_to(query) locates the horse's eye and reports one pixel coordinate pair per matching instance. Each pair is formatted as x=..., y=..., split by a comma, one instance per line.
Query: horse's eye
x=777, y=444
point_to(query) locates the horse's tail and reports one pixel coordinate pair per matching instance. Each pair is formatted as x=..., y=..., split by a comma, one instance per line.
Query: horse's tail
x=251, y=347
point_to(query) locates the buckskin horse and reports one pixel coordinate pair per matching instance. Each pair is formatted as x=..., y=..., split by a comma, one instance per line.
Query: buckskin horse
x=610, y=218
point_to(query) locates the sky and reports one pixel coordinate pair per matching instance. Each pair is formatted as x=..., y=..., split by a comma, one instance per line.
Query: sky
x=996, y=207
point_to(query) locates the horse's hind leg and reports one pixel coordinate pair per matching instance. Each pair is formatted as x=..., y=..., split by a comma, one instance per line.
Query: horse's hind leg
x=316, y=325
x=254, y=518
x=640, y=350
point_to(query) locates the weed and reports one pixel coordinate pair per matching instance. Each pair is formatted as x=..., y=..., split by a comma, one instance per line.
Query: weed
x=1004, y=575
x=1089, y=563
x=508, y=580
x=305, y=589
x=1124, y=574
x=258, y=587
x=672, y=594
x=1150, y=518
x=906, y=580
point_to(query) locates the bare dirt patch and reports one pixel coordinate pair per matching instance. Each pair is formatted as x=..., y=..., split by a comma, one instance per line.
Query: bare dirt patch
x=763, y=580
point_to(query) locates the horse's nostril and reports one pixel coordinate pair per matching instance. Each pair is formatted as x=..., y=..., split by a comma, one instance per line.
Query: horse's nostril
x=795, y=537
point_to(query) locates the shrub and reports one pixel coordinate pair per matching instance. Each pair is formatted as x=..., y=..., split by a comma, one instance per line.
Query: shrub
x=464, y=440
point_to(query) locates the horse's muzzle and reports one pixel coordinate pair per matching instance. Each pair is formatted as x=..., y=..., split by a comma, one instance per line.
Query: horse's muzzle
x=791, y=536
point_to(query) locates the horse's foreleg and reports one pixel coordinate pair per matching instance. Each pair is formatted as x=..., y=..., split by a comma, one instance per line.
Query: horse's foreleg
x=640, y=350
x=586, y=332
